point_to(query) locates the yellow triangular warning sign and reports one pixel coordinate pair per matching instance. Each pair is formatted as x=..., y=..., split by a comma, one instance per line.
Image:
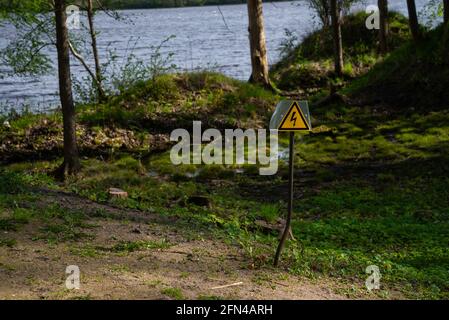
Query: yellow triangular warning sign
x=294, y=119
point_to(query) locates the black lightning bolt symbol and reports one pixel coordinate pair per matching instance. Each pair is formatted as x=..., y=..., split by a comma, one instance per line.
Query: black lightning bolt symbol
x=293, y=118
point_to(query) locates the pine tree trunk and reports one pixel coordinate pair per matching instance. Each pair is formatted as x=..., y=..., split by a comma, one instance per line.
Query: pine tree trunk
x=259, y=60
x=336, y=31
x=71, y=158
x=383, y=30
x=93, y=36
x=413, y=20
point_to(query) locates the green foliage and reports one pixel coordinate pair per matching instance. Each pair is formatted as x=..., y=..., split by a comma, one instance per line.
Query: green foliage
x=357, y=40
x=191, y=96
x=7, y=243
x=135, y=70
x=24, y=54
x=416, y=75
x=12, y=182
x=131, y=246
x=309, y=65
x=174, y=293
x=207, y=297
x=401, y=228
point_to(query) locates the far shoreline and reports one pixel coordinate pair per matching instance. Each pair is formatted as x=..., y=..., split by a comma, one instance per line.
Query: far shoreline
x=190, y=6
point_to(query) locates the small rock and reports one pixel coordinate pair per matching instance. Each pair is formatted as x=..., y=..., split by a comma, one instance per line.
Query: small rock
x=267, y=227
x=277, y=227
x=6, y=124
x=118, y=193
x=136, y=230
x=199, y=201
x=43, y=258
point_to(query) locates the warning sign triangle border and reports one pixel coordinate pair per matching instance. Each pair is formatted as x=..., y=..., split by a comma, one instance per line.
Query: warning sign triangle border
x=302, y=117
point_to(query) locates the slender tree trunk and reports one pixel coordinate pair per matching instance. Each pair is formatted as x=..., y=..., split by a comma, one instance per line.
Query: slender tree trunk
x=445, y=40
x=446, y=11
x=90, y=17
x=327, y=22
x=383, y=30
x=89, y=71
x=336, y=31
x=259, y=60
x=71, y=158
x=413, y=20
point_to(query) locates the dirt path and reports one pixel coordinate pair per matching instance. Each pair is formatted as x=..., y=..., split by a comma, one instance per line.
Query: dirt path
x=170, y=265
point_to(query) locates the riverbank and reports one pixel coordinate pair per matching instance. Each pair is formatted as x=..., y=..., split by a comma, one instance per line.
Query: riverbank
x=202, y=42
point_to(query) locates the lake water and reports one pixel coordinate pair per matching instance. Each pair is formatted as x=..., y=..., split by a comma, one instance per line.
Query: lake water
x=205, y=38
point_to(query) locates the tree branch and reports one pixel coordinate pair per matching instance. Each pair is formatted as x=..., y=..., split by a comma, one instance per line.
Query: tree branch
x=91, y=73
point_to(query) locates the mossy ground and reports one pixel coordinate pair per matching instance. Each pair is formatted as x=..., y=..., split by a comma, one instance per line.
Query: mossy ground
x=309, y=66
x=413, y=77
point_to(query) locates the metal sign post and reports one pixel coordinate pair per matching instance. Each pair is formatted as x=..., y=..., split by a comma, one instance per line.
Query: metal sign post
x=290, y=116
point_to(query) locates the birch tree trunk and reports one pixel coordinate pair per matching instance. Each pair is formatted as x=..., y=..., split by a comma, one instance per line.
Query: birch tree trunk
x=259, y=60
x=93, y=36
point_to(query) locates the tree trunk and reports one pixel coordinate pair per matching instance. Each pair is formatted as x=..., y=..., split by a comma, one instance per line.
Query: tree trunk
x=326, y=20
x=259, y=60
x=71, y=158
x=446, y=11
x=383, y=30
x=336, y=31
x=413, y=20
x=93, y=36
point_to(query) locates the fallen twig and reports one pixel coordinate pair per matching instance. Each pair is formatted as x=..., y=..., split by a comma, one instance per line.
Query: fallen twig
x=227, y=285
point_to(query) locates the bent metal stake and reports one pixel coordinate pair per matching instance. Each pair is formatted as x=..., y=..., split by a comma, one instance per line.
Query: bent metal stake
x=290, y=116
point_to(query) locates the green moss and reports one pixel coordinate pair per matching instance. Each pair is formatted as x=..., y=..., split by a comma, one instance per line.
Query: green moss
x=131, y=246
x=8, y=242
x=174, y=293
x=414, y=76
x=209, y=297
x=310, y=64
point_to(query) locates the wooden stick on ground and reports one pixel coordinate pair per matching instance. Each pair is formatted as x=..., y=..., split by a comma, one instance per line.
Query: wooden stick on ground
x=228, y=285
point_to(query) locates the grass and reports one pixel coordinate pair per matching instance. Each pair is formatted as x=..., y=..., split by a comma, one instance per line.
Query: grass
x=414, y=77
x=309, y=65
x=174, y=293
x=210, y=297
x=147, y=105
x=131, y=246
x=8, y=242
x=19, y=206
